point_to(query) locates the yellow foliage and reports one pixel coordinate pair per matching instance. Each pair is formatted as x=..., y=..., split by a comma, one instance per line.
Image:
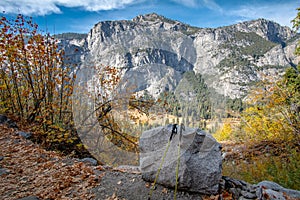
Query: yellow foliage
x=283, y=170
x=224, y=133
x=267, y=121
x=272, y=115
x=272, y=110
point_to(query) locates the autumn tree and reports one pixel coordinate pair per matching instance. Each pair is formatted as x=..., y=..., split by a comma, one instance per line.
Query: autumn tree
x=107, y=113
x=35, y=85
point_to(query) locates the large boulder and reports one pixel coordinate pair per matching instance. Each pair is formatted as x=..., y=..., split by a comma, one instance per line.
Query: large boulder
x=200, y=168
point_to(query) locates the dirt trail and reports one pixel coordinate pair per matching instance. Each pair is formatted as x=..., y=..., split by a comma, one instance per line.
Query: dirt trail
x=130, y=186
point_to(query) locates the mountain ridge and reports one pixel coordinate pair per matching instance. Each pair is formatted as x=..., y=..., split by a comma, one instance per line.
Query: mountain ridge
x=159, y=50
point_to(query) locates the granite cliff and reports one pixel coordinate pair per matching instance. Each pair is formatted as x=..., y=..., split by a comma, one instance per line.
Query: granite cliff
x=154, y=52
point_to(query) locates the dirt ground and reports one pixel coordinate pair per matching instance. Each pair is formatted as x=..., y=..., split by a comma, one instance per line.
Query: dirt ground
x=131, y=186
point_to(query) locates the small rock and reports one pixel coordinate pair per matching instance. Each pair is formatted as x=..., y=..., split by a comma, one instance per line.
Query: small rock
x=273, y=195
x=222, y=184
x=128, y=168
x=68, y=161
x=243, y=198
x=270, y=185
x=29, y=198
x=91, y=161
x=1, y=158
x=25, y=134
x=248, y=195
x=276, y=187
x=3, y=119
x=98, y=172
x=258, y=192
x=235, y=192
x=11, y=124
x=237, y=183
x=3, y=171
x=248, y=187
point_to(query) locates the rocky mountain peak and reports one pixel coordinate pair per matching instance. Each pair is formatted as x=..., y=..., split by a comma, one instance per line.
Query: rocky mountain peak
x=152, y=18
x=165, y=23
x=267, y=29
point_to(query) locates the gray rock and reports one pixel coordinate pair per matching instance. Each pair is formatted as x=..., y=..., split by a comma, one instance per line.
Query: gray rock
x=232, y=183
x=243, y=198
x=264, y=190
x=29, y=198
x=259, y=192
x=269, y=194
x=248, y=187
x=3, y=119
x=248, y=195
x=235, y=192
x=68, y=161
x=11, y=124
x=276, y=187
x=1, y=158
x=200, y=159
x=3, y=171
x=25, y=134
x=240, y=189
x=90, y=161
x=270, y=185
x=128, y=168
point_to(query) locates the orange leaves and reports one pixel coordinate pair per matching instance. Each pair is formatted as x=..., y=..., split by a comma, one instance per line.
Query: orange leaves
x=108, y=78
x=34, y=171
x=37, y=85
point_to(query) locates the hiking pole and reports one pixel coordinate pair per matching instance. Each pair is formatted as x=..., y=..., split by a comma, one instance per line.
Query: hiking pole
x=174, y=131
x=158, y=171
x=182, y=128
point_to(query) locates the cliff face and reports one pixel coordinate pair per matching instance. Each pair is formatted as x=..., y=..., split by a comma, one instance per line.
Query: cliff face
x=154, y=52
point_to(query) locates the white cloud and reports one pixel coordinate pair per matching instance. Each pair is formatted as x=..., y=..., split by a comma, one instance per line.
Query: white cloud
x=281, y=13
x=43, y=7
x=28, y=7
x=210, y=4
x=188, y=3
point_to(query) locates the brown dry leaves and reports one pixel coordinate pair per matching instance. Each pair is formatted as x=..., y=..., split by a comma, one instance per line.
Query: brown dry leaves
x=46, y=174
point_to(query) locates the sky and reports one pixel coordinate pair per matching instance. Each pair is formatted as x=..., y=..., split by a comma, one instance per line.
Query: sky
x=61, y=16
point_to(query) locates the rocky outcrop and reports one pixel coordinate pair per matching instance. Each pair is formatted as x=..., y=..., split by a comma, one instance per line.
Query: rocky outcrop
x=269, y=185
x=267, y=29
x=200, y=160
x=265, y=190
x=154, y=52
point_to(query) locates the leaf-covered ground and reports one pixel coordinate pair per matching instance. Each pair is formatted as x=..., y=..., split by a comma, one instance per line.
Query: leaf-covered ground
x=29, y=170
